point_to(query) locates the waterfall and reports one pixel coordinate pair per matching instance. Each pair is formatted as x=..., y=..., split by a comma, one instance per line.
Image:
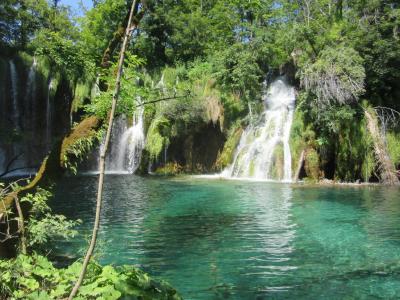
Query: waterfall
x=49, y=114
x=16, y=147
x=14, y=93
x=30, y=96
x=132, y=144
x=258, y=151
x=31, y=84
x=127, y=143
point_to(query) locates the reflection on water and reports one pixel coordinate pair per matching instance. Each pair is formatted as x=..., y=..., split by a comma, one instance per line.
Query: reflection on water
x=215, y=239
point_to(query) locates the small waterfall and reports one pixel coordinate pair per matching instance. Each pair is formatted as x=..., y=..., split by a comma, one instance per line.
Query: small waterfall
x=256, y=153
x=49, y=114
x=127, y=143
x=132, y=143
x=30, y=96
x=31, y=85
x=30, y=120
x=16, y=147
x=14, y=93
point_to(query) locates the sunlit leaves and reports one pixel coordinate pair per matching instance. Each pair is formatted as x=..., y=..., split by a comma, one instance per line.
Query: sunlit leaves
x=131, y=89
x=337, y=76
x=35, y=277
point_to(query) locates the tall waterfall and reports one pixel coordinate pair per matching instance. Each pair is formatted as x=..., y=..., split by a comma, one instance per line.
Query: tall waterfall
x=30, y=99
x=261, y=144
x=127, y=143
x=14, y=94
x=49, y=114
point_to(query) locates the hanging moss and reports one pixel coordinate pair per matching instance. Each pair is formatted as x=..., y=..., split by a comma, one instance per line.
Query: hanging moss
x=158, y=136
x=311, y=164
x=393, y=144
x=226, y=156
x=297, y=143
x=85, y=131
x=83, y=91
x=25, y=58
x=43, y=66
x=354, y=152
x=302, y=137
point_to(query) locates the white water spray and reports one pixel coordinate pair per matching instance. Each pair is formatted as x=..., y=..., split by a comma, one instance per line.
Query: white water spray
x=30, y=96
x=131, y=144
x=257, y=150
x=127, y=143
x=49, y=114
x=14, y=92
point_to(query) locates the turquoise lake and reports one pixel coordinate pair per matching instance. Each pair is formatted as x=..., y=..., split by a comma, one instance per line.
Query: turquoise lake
x=219, y=239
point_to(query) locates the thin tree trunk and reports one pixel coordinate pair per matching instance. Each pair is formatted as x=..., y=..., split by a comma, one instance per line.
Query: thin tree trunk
x=21, y=225
x=93, y=240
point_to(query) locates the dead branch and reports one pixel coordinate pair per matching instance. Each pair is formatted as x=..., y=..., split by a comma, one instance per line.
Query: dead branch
x=387, y=172
x=388, y=117
x=21, y=225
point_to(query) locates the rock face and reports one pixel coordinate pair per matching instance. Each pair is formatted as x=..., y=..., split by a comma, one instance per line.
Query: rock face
x=195, y=152
x=35, y=105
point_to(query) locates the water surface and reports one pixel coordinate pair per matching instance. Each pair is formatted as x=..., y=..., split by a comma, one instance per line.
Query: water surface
x=219, y=239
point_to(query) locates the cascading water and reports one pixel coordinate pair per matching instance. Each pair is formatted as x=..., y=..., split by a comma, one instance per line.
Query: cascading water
x=28, y=111
x=16, y=148
x=14, y=93
x=49, y=113
x=30, y=96
x=258, y=151
x=127, y=143
x=131, y=144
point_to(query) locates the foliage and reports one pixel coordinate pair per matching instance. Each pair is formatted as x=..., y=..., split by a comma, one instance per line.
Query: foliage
x=34, y=277
x=77, y=145
x=337, y=76
x=99, y=25
x=355, y=159
x=171, y=168
x=301, y=138
x=131, y=89
x=393, y=143
x=64, y=54
x=157, y=137
x=312, y=164
x=22, y=18
x=226, y=156
x=240, y=71
x=43, y=225
x=79, y=149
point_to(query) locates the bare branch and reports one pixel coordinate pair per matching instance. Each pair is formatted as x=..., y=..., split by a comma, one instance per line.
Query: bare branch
x=388, y=117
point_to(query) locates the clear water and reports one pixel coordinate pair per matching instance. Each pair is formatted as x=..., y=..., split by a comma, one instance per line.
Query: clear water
x=216, y=239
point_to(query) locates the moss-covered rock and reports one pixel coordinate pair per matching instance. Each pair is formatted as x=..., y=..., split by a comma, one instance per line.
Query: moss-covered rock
x=158, y=137
x=302, y=138
x=312, y=164
x=170, y=168
x=84, y=131
x=226, y=156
